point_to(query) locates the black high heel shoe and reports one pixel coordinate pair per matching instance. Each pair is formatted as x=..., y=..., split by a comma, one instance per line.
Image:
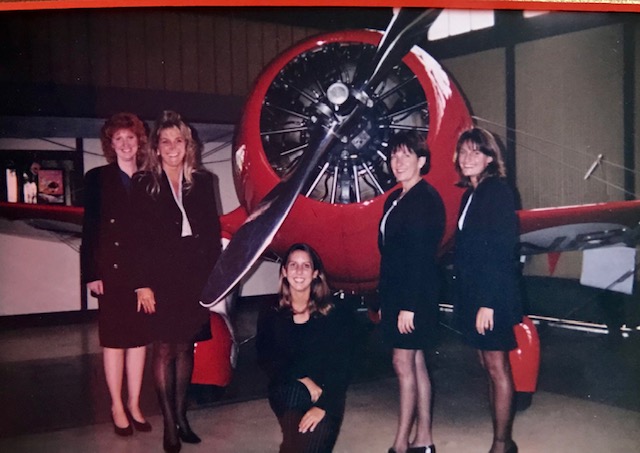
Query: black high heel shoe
x=122, y=432
x=188, y=436
x=143, y=427
x=430, y=449
x=513, y=448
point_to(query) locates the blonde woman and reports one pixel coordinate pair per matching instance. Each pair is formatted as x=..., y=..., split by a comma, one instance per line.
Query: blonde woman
x=178, y=242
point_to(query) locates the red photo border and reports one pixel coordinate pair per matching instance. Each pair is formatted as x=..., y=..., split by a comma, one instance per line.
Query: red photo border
x=566, y=5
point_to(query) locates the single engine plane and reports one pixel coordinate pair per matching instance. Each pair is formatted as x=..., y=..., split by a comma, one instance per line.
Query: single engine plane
x=308, y=164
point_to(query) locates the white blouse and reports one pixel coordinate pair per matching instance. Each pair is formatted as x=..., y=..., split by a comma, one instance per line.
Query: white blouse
x=383, y=222
x=186, y=226
x=464, y=213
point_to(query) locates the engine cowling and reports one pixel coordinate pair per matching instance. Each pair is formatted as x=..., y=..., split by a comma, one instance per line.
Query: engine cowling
x=338, y=213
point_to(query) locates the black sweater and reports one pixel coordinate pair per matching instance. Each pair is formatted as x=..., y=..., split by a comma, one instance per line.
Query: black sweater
x=319, y=349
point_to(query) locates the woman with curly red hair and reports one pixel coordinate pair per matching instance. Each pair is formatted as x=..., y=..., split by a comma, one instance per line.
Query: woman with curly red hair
x=108, y=263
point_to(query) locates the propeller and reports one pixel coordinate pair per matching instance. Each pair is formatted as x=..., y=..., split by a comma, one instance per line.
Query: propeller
x=407, y=27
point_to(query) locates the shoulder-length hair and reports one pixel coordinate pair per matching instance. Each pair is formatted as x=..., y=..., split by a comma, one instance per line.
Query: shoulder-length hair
x=170, y=119
x=415, y=143
x=128, y=121
x=483, y=141
x=320, y=297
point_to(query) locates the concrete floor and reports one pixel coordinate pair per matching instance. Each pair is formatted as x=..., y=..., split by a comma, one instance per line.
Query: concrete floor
x=588, y=400
x=554, y=423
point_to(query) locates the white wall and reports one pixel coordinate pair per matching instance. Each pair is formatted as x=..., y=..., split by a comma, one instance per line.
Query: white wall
x=39, y=270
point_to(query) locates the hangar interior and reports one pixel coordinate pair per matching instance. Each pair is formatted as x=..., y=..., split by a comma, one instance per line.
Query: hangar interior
x=558, y=89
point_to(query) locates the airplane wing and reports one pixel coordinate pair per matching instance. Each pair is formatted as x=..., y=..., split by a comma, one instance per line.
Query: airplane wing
x=63, y=219
x=542, y=230
x=579, y=227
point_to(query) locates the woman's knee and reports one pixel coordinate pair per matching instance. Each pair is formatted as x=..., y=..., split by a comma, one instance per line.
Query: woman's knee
x=163, y=351
x=289, y=396
x=496, y=364
x=404, y=362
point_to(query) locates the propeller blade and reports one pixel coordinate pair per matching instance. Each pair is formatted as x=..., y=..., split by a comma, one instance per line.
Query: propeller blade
x=257, y=232
x=406, y=29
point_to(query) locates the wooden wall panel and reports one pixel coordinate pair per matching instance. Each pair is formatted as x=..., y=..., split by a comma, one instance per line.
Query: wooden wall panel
x=80, y=51
x=154, y=47
x=299, y=33
x=39, y=36
x=269, y=42
x=206, y=55
x=255, y=56
x=117, y=50
x=222, y=30
x=172, y=47
x=99, y=49
x=60, y=57
x=13, y=53
x=239, y=56
x=189, y=51
x=284, y=37
x=136, y=51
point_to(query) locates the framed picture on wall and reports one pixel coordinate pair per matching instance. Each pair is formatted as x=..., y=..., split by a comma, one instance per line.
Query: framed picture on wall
x=51, y=186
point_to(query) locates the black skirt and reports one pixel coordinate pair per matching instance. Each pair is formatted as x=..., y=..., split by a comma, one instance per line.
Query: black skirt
x=120, y=325
x=501, y=338
x=423, y=337
x=179, y=317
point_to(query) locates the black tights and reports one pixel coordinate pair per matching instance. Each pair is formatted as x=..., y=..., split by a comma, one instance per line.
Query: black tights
x=498, y=368
x=172, y=368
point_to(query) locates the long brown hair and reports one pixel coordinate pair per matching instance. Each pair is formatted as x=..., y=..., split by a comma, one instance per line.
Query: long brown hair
x=483, y=141
x=320, y=296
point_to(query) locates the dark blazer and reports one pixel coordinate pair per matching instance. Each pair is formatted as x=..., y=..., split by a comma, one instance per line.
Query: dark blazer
x=485, y=264
x=409, y=275
x=106, y=232
x=176, y=268
x=320, y=349
x=159, y=226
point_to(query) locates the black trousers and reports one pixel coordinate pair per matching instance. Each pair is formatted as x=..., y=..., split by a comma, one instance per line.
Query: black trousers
x=290, y=402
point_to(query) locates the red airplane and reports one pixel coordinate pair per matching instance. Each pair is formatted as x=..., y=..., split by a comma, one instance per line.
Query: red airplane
x=340, y=203
x=341, y=199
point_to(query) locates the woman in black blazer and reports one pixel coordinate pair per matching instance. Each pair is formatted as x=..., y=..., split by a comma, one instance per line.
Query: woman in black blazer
x=178, y=242
x=304, y=344
x=107, y=266
x=487, y=303
x=410, y=232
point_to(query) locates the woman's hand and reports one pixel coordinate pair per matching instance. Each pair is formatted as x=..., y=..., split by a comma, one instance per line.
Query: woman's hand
x=484, y=320
x=146, y=300
x=96, y=287
x=314, y=389
x=311, y=419
x=405, y=321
